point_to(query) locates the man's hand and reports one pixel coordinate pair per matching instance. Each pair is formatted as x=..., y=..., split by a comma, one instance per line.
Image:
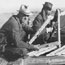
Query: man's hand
x=32, y=47
x=37, y=46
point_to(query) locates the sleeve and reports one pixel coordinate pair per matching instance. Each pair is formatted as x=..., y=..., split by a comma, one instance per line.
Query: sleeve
x=16, y=36
x=34, y=28
x=44, y=16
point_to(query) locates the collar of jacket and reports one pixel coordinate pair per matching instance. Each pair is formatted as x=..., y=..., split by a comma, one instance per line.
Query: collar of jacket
x=17, y=17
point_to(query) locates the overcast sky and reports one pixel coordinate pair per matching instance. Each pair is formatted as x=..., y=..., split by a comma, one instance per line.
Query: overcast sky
x=13, y=5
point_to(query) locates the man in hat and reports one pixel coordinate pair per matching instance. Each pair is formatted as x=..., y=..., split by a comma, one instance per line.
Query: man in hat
x=39, y=20
x=15, y=34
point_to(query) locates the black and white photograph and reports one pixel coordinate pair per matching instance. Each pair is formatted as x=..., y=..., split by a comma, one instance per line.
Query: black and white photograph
x=32, y=32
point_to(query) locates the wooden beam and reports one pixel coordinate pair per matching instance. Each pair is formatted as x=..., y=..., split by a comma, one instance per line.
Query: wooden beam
x=62, y=52
x=56, y=51
x=42, y=51
x=33, y=53
x=59, y=37
x=45, y=51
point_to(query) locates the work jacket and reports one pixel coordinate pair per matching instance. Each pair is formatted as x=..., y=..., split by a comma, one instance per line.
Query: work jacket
x=16, y=36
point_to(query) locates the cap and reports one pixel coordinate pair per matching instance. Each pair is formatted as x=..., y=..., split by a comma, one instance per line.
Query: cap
x=24, y=9
x=48, y=5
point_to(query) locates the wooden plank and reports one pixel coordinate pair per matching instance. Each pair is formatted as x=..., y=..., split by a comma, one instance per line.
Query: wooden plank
x=48, y=50
x=42, y=51
x=56, y=51
x=62, y=52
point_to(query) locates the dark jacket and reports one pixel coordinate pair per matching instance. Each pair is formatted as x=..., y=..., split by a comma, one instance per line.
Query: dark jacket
x=39, y=20
x=16, y=36
x=37, y=23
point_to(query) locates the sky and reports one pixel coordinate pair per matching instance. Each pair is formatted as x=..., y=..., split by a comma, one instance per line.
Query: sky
x=14, y=5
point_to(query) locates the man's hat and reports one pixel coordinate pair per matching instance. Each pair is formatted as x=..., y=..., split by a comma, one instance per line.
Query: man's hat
x=24, y=10
x=48, y=5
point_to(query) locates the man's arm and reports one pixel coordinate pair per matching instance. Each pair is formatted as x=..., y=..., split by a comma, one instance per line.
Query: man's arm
x=37, y=23
x=44, y=16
